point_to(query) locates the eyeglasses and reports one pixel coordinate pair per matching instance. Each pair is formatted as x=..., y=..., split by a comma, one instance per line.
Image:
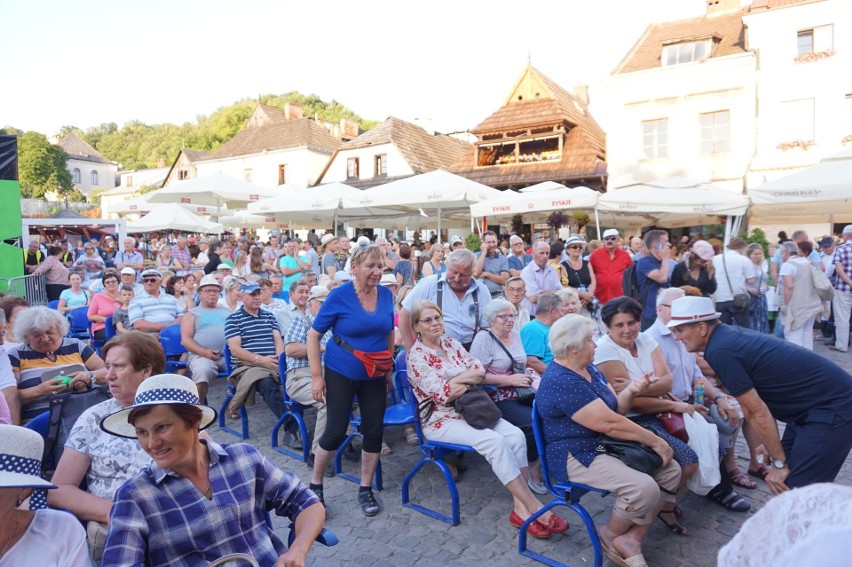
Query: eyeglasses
x=507, y=317
x=150, y=280
x=515, y=290
x=576, y=247
x=430, y=320
x=111, y=280
x=611, y=238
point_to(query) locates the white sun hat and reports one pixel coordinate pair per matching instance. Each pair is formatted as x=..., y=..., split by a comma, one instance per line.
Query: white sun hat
x=170, y=389
x=692, y=310
x=20, y=458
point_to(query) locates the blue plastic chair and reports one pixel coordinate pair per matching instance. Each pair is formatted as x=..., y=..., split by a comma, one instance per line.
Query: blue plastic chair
x=172, y=348
x=295, y=411
x=79, y=323
x=433, y=452
x=399, y=413
x=566, y=494
x=40, y=423
x=244, y=434
x=53, y=304
x=109, y=329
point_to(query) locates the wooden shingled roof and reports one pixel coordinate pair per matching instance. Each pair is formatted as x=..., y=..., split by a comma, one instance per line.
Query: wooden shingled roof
x=727, y=30
x=279, y=135
x=77, y=148
x=538, y=101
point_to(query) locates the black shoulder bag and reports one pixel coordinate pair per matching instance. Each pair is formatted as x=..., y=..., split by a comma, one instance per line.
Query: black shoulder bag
x=526, y=395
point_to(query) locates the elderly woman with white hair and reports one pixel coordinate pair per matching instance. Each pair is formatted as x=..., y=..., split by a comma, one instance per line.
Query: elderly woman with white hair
x=45, y=355
x=577, y=406
x=501, y=351
x=231, y=297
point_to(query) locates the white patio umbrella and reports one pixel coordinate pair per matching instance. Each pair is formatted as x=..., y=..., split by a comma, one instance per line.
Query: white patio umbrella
x=439, y=191
x=510, y=203
x=409, y=222
x=246, y=219
x=214, y=190
x=543, y=186
x=823, y=189
x=140, y=205
x=173, y=218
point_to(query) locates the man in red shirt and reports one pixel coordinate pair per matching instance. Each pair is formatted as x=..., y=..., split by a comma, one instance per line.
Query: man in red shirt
x=609, y=264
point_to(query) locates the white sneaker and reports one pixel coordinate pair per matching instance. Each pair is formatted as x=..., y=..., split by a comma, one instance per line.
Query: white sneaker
x=537, y=487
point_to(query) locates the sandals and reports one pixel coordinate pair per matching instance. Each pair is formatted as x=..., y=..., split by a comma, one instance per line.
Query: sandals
x=760, y=473
x=729, y=500
x=675, y=527
x=386, y=450
x=233, y=413
x=613, y=555
x=411, y=437
x=741, y=479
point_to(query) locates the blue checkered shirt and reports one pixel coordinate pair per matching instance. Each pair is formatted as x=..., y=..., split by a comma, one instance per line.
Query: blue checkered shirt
x=297, y=332
x=160, y=519
x=843, y=256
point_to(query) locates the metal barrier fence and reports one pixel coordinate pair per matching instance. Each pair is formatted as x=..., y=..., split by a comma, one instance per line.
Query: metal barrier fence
x=31, y=287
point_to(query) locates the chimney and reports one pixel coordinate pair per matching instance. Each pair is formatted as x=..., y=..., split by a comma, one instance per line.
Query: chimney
x=348, y=129
x=722, y=6
x=582, y=94
x=292, y=111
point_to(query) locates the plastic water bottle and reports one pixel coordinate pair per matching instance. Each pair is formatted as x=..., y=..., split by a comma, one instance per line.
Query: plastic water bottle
x=699, y=394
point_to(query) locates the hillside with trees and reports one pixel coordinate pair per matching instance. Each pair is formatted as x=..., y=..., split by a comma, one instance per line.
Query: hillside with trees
x=137, y=145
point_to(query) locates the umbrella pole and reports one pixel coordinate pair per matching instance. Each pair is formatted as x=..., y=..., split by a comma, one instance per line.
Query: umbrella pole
x=598, y=223
x=439, y=223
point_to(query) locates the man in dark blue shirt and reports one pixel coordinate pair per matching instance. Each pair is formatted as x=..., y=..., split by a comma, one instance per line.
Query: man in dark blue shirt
x=773, y=379
x=652, y=273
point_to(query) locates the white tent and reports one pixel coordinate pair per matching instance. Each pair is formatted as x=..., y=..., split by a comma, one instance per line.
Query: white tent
x=823, y=189
x=543, y=186
x=173, y=218
x=213, y=190
x=510, y=203
x=409, y=222
x=438, y=191
x=140, y=205
x=246, y=219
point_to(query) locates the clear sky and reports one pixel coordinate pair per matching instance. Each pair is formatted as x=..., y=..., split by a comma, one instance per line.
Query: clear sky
x=87, y=62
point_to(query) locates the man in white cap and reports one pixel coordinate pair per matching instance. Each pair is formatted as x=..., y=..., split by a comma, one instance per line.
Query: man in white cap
x=202, y=332
x=609, y=263
x=128, y=278
x=843, y=291
x=152, y=310
x=773, y=379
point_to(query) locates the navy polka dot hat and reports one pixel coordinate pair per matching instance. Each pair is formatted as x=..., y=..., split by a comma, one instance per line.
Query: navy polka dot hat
x=154, y=391
x=20, y=458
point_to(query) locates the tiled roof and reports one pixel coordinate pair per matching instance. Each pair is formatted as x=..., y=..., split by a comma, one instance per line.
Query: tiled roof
x=274, y=113
x=584, y=149
x=77, y=148
x=424, y=152
x=194, y=155
x=769, y=4
x=727, y=28
x=276, y=136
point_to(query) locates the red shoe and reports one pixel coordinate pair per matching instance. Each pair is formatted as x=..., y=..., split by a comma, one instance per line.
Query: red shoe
x=535, y=529
x=556, y=524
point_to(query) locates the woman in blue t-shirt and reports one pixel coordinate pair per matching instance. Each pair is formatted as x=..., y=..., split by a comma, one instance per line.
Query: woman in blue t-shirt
x=360, y=316
x=73, y=297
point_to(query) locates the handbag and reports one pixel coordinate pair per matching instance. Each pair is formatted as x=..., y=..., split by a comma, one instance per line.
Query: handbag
x=741, y=300
x=477, y=408
x=525, y=394
x=822, y=284
x=632, y=453
x=377, y=364
x=673, y=422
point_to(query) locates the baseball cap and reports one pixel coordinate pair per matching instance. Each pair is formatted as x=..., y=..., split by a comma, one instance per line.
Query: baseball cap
x=456, y=238
x=128, y=272
x=363, y=241
x=610, y=232
x=342, y=276
x=318, y=292
x=825, y=242
x=388, y=279
x=249, y=287
x=223, y=266
x=704, y=250
x=847, y=229
x=151, y=272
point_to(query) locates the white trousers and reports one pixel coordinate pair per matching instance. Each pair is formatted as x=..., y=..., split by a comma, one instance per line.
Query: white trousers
x=503, y=446
x=804, y=335
x=842, y=307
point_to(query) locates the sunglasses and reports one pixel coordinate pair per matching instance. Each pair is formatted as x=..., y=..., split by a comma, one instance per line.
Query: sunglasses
x=576, y=247
x=150, y=280
x=611, y=238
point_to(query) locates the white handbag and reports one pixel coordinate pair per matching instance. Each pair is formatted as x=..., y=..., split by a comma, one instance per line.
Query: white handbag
x=704, y=440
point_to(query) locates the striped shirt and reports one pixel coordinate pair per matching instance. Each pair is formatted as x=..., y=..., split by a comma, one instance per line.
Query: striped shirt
x=161, y=519
x=160, y=309
x=31, y=364
x=255, y=331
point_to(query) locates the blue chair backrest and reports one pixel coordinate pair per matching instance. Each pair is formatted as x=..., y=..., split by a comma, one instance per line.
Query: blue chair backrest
x=538, y=434
x=53, y=304
x=227, y=355
x=109, y=328
x=170, y=341
x=406, y=393
x=40, y=424
x=282, y=374
x=79, y=319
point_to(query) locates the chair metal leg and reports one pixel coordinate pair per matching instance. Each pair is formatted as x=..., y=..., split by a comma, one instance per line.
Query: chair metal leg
x=338, y=467
x=244, y=434
x=453, y=520
x=587, y=521
x=303, y=431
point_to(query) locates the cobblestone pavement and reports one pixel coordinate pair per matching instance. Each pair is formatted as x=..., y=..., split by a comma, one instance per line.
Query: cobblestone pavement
x=400, y=537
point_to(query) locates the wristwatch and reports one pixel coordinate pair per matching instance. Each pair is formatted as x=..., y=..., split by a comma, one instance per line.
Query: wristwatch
x=777, y=463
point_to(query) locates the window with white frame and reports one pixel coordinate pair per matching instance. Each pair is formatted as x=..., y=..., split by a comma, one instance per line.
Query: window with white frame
x=381, y=163
x=94, y=177
x=75, y=175
x=715, y=132
x=798, y=120
x=248, y=174
x=655, y=138
x=686, y=52
x=352, y=168
x=183, y=174
x=816, y=39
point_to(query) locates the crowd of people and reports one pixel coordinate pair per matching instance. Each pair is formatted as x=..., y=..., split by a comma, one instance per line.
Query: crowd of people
x=520, y=320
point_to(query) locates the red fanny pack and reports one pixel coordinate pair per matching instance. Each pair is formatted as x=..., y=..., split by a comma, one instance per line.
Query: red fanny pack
x=376, y=364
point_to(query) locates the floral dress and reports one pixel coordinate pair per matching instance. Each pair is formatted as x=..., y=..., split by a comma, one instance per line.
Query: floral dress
x=429, y=372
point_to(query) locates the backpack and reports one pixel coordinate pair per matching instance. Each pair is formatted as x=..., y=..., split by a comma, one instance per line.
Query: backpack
x=630, y=285
x=64, y=411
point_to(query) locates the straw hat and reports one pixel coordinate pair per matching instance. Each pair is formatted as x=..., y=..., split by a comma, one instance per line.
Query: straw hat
x=161, y=389
x=326, y=238
x=692, y=310
x=20, y=458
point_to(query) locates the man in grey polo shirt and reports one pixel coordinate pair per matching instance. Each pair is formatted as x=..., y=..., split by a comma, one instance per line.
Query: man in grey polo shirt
x=462, y=299
x=153, y=309
x=492, y=267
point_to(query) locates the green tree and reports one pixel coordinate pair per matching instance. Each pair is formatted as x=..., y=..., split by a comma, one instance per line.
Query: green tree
x=42, y=167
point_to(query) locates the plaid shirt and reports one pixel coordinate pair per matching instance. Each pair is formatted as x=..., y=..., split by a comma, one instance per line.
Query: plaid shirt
x=182, y=256
x=159, y=518
x=843, y=256
x=297, y=332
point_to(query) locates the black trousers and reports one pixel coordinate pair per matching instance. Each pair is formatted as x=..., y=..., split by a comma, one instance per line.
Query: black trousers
x=339, y=395
x=817, y=448
x=733, y=314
